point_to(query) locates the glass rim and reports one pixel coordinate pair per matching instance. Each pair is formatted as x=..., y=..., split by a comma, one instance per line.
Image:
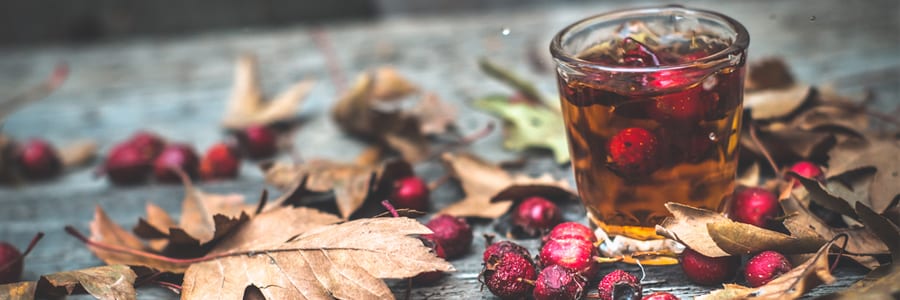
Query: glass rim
x=740, y=43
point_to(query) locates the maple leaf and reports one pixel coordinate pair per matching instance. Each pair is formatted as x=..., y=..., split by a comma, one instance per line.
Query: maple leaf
x=483, y=181
x=529, y=126
x=352, y=184
x=105, y=230
x=246, y=106
x=790, y=285
x=343, y=261
x=371, y=109
x=106, y=282
x=878, y=154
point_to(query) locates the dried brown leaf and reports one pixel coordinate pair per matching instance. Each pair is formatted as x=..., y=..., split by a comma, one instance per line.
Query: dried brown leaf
x=246, y=106
x=790, y=285
x=435, y=116
x=771, y=73
x=106, y=282
x=821, y=195
x=688, y=225
x=77, y=153
x=104, y=230
x=881, y=283
x=878, y=154
x=24, y=290
x=888, y=232
x=155, y=227
x=483, y=181
x=390, y=85
x=274, y=227
x=802, y=223
x=776, y=103
x=344, y=261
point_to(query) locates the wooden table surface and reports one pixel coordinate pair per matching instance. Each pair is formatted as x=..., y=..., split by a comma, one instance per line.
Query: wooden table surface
x=177, y=86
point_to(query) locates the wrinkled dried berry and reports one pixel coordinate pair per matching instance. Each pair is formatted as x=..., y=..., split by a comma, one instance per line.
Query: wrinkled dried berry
x=556, y=282
x=619, y=284
x=498, y=249
x=509, y=276
x=453, y=233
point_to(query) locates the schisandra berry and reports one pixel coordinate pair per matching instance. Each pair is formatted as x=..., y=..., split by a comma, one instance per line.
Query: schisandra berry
x=764, y=267
x=38, y=159
x=619, y=284
x=8, y=254
x=509, y=276
x=807, y=170
x=180, y=156
x=149, y=143
x=632, y=151
x=755, y=206
x=570, y=230
x=575, y=254
x=498, y=249
x=221, y=161
x=433, y=276
x=128, y=164
x=707, y=270
x=410, y=192
x=536, y=214
x=453, y=233
x=259, y=141
x=556, y=282
x=660, y=296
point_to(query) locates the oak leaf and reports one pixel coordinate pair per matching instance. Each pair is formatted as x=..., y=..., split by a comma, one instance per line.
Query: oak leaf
x=106, y=282
x=790, y=285
x=343, y=261
x=482, y=181
x=246, y=106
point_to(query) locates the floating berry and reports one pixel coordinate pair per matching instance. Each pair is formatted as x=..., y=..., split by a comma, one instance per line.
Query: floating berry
x=179, y=156
x=633, y=150
x=221, y=161
x=764, y=267
x=708, y=270
x=410, y=192
x=755, y=206
x=536, y=214
x=453, y=233
x=38, y=160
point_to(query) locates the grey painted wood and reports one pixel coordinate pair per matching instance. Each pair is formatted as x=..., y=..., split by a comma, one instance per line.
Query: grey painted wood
x=177, y=87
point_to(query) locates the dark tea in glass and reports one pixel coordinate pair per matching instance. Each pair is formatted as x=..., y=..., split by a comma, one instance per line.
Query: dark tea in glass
x=652, y=104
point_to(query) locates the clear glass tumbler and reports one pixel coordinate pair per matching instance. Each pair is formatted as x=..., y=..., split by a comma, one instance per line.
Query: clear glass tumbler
x=652, y=104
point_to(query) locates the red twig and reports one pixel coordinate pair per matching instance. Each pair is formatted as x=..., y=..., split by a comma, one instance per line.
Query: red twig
x=841, y=252
x=37, y=237
x=390, y=207
x=323, y=43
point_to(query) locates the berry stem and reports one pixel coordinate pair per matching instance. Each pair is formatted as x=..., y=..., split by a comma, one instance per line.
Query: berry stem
x=37, y=237
x=765, y=152
x=390, y=207
x=263, y=198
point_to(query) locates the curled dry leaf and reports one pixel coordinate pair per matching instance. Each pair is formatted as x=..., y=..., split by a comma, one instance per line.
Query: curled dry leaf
x=483, y=181
x=23, y=290
x=878, y=154
x=529, y=126
x=352, y=184
x=246, y=106
x=104, y=230
x=790, y=285
x=820, y=194
x=343, y=261
x=881, y=283
x=802, y=223
x=888, y=232
x=435, y=116
x=776, y=103
x=77, y=153
x=106, y=282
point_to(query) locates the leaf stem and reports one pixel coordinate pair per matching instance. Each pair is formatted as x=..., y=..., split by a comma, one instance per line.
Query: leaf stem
x=762, y=148
x=37, y=237
x=390, y=207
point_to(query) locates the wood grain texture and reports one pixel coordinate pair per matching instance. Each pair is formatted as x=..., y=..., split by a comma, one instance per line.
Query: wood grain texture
x=178, y=87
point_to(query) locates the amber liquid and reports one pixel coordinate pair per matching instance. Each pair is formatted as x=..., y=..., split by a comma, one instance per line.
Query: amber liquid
x=693, y=158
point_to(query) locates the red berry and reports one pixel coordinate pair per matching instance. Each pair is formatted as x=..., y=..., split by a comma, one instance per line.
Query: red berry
x=180, y=156
x=39, y=160
x=807, y=170
x=221, y=161
x=410, y=192
x=708, y=270
x=8, y=254
x=536, y=214
x=127, y=164
x=764, y=267
x=619, y=284
x=149, y=143
x=638, y=54
x=575, y=254
x=754, y=206
x=498, y=249
x=452, y=233
x=508, y=276
x=660, y=296
x=571, y=230
x=259, y=141
x=556, y=282
x=687, y=105
x=633, y=150
x=431, y=277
